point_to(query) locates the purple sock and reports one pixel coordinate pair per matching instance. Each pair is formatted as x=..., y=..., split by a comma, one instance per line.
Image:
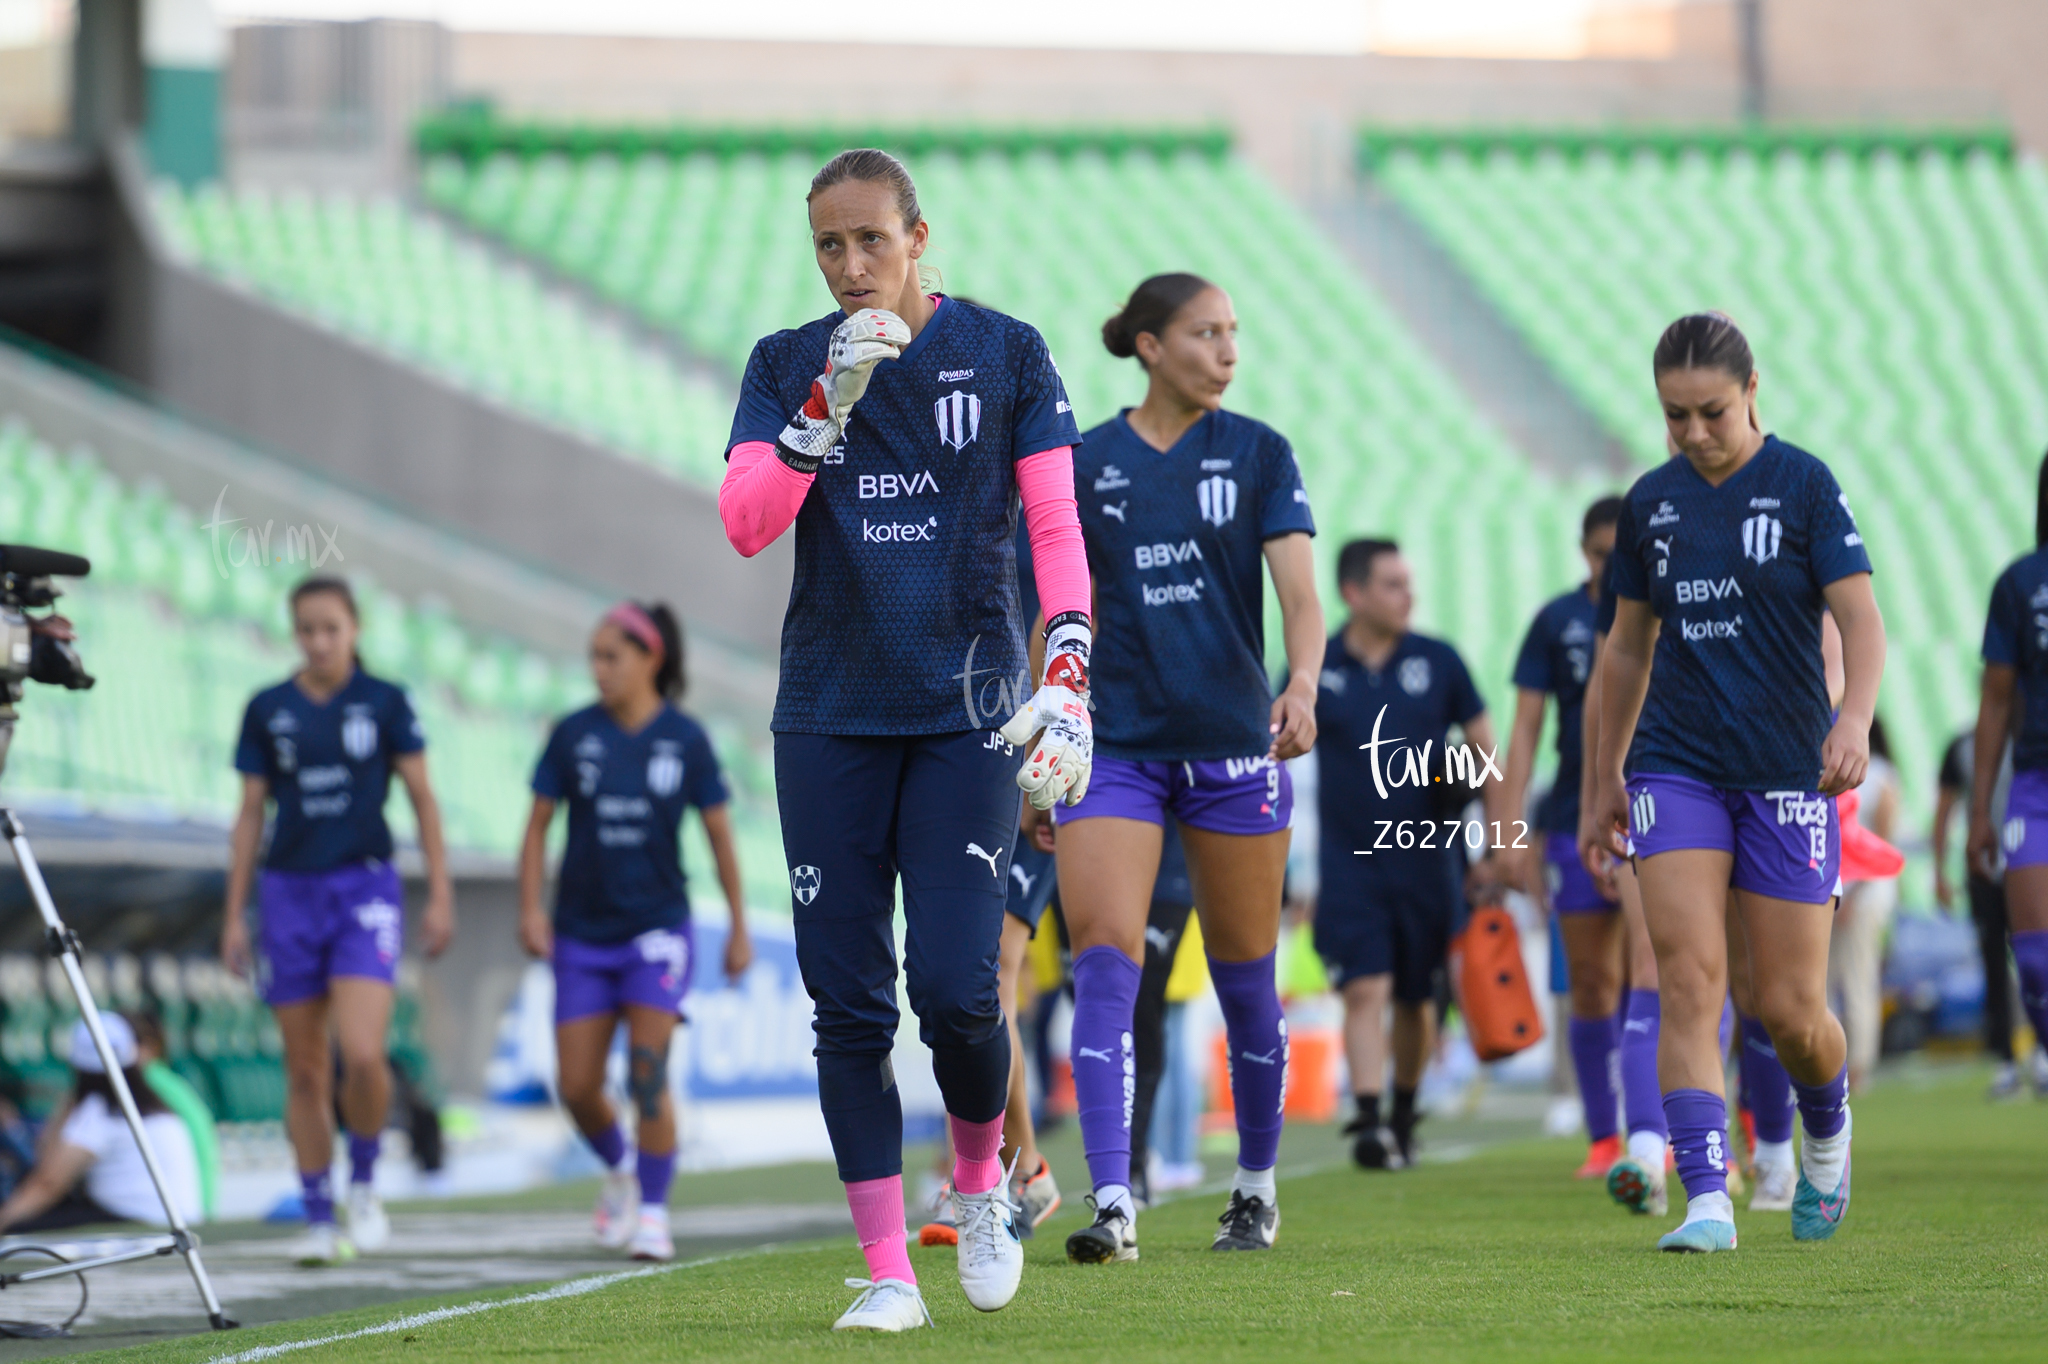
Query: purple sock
x=317, y=1191
x=1105, y=1065
x=1593, y=1043
x=1699, y=1139
x=1640, y=1097
x=362, y=1158
x=609, y=1144
x=655, y=1174
x=1766, y=1088
x=1258, y=1055
x=2030, y=951
x=1727, y=1027
x=1823, y=1108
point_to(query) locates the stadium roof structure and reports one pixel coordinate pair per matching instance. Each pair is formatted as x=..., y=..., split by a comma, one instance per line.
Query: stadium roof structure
x=473, y=136
x=1376, y=144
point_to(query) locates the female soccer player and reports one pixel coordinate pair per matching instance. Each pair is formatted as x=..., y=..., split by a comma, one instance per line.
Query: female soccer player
x=1187, y=500
x=1724, y=561
x=323, y=744
x=901, y=648
x=2016, y=655
x=620, y=940
x=1556, y=660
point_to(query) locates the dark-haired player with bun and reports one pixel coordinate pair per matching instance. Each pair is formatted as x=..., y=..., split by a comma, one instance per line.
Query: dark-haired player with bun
x=1186, y=507
x=2016, y=677
x=899, y=435
x=1724, y=561
x=627, y=767
x=1556, y=660
x=323, y=745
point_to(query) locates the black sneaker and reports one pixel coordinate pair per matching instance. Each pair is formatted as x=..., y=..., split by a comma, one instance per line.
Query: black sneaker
x=1404, y=1141
x=1376, y=1149
x=1247, y=1224
x=1112, y=1237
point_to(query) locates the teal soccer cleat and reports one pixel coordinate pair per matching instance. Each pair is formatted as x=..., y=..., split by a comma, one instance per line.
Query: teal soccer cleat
x=1815, y=1215
x=1699, y=1238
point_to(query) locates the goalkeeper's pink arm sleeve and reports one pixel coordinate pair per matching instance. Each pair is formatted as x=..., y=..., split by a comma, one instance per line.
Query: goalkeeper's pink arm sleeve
x=1059, y=560
x=761, y=494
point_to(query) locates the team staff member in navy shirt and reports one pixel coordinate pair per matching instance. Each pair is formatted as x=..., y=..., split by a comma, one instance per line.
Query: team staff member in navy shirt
x=1392, y=882
x=627, y=768
x=331, y=918
x=1185, y=507
x=2016, y=655
x=1724, y=562
x=902, y=651
x=1556, y=660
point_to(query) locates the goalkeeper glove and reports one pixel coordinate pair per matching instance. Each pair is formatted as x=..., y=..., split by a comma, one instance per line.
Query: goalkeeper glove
x=858, y=344
x=1058, y=764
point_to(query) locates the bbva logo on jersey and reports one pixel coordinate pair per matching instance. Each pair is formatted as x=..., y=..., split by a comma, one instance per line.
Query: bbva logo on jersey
x=1217, y=498
x=1760, y=538
x=959, y=418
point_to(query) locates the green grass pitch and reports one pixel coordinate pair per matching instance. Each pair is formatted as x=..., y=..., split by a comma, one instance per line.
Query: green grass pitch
x=1503, y=1255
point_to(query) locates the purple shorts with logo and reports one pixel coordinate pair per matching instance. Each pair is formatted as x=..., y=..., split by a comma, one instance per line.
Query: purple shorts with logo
x=1572, y=888
x=1787, y=844
x=316, y=925
x=1232, y=796
x=2024, y=836
x=601, y=978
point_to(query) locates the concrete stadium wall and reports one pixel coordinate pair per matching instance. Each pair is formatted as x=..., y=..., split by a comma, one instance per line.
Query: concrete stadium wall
x=547, y=496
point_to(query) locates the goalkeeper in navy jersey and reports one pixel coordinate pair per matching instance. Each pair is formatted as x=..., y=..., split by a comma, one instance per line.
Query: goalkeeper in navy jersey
x=899, y=434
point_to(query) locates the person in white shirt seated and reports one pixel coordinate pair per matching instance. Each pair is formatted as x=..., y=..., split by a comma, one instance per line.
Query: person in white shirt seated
x=91, y=1170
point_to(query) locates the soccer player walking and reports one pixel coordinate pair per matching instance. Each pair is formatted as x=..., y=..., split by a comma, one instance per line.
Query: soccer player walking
x=1724, y=561
x=620, y=941
x=331, y=920
x=1185, y=507
x=2016, y=674
x=898, y=434
x=1556, y=660
x=1392, y=855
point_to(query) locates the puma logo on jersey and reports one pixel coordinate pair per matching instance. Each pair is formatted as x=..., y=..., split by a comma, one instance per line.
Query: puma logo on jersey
x=1269, y=1059
x=1096, y=1054
x=976, y=850
x=1118, y=510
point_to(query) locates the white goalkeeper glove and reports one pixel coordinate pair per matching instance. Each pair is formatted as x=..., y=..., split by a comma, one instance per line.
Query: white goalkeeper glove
x=858, y=344
x=1058, y=763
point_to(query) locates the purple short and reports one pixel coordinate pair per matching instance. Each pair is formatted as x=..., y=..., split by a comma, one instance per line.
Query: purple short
x=1233, y=796
x=1787, y=844
x=316, y=925
x=602, y=978
x=2025, y=834
x=1572, y=888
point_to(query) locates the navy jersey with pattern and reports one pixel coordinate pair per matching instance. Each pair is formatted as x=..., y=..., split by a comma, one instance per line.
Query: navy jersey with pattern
x=2016, y=635
x=329, y=768
x=1557, y=658
x=1737, y=696
x=1175, y=544
x=903, y=614
x=1414, y=698
x=622, y=868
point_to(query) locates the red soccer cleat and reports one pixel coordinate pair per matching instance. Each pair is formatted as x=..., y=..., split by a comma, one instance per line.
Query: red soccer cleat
x=1600, y=1156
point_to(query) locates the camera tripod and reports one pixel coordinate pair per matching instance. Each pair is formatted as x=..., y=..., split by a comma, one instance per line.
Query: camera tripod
x=62, y=944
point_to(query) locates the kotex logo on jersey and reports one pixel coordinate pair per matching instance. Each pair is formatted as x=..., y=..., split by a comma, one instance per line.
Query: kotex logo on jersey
x=1706, y=631
x=1167, y=594
x=324, y=791
x=1216, y=497
x=897, y=532
x=959, y=418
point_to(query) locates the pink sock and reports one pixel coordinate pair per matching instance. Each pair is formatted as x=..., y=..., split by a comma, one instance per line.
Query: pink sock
x=977, y=1153
x=878, y=1221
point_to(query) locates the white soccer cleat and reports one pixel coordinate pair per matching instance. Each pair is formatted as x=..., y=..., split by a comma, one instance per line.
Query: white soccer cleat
x=617, y=1216
x=322, y=1245
x=1775, y=1185
x=1112, y=1237
x=368, y=1227
x=651, y=1240
x=991, y=1253
x=888, y=1305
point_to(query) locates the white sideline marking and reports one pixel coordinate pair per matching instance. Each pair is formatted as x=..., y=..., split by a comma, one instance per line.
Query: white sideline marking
x=571, y=1289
